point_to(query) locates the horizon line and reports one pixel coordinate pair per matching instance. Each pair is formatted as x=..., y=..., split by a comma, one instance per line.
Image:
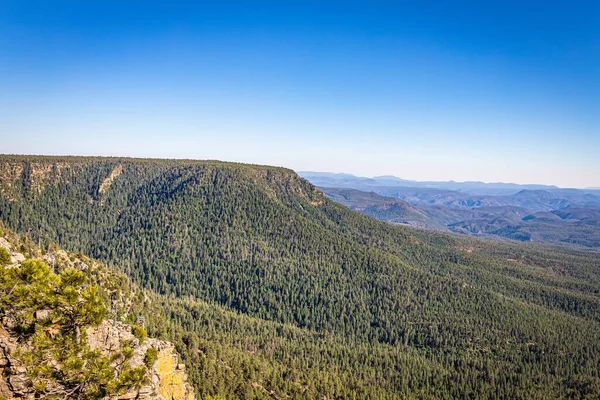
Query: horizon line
x=552, y=186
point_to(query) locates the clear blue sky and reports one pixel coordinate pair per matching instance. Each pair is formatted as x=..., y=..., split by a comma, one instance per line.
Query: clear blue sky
x=481, y=90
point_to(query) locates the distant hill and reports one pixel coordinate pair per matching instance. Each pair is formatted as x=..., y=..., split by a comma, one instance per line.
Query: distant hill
x=387, y=209
x=579, y=214
x=476, y=208
x=328, y=179
x=528, y=215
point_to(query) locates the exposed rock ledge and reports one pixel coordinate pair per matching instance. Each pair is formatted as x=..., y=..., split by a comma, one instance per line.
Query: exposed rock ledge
x=167, y=379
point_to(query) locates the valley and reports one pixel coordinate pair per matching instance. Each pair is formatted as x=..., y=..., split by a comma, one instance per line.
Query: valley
x=547, y=215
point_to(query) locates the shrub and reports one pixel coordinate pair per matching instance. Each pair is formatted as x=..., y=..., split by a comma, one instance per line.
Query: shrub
x=150, y=357
x=5, y=258
x=140, y=333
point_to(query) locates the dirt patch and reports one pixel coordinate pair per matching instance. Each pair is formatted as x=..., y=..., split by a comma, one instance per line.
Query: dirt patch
x=114, y=174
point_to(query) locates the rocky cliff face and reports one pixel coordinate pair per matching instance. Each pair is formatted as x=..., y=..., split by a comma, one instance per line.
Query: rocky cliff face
x=164, y=378
x=167, y=379
x=13, y=380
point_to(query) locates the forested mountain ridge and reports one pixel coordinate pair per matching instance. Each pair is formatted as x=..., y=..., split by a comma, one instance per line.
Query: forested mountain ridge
x=458, y=317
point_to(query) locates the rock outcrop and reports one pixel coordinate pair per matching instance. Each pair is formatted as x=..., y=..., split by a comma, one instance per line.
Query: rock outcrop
x=165, y=377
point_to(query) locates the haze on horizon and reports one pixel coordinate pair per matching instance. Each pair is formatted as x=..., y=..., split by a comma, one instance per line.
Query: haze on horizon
x=498, y=92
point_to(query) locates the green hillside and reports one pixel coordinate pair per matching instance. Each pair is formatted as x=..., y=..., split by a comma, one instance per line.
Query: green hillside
x=269, y=287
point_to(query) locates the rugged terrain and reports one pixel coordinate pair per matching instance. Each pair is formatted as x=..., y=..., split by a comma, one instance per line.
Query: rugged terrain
x=520, y=212
x=268, y=289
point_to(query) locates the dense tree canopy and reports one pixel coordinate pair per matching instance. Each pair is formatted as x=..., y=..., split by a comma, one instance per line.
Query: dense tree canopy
x=266, y=285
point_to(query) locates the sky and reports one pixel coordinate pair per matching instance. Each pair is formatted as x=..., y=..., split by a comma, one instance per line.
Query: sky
x=491, y=91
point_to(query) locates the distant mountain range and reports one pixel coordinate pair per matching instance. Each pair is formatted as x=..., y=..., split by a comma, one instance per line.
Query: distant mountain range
x=327, y=178
x=521, y=212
